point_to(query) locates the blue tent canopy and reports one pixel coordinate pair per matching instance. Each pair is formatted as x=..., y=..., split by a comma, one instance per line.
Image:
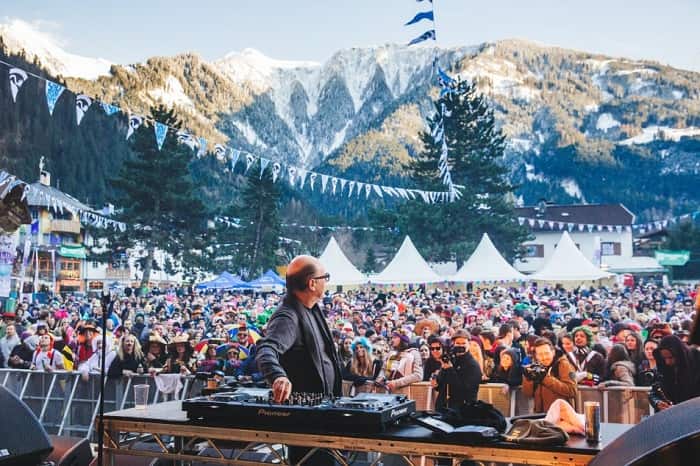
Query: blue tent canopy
x=267, y=280
x=225, y=281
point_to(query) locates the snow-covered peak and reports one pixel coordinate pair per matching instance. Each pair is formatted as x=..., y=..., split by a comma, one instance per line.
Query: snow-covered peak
x=19, y=35
x=251, y=65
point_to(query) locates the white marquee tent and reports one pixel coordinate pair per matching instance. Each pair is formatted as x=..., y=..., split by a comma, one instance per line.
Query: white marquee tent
x=568, y=263
x=342, y=271
x=487, y=265
x=407, y=267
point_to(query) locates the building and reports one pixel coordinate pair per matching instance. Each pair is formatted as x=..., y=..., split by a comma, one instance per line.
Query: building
x=603, y=233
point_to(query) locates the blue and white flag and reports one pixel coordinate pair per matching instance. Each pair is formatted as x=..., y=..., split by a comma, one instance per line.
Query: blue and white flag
x=324, y=182
x=291, y=173
x=421, y=16
x=368, y=190
x=161, y=131
x=427, y=35
x=276, y=170
x=234, y=158
x=444, y=78
x=360, y=188
x=263, y=165
x=312, y=180
x=302, y=177
x=334, y=184
x=82, y=104
x=351, y=186
x=431, y=1
x=202, y=148
x=249, y=161
x=53, y=92
x=135, y=123
x=183, y=137
x=109, y=108
x=17, y=78
x=220, y=152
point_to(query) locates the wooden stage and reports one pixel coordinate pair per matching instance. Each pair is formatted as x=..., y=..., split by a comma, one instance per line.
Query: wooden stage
x=175, y=438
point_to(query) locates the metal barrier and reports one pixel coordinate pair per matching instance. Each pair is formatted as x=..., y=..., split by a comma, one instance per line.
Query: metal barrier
x=65, y=404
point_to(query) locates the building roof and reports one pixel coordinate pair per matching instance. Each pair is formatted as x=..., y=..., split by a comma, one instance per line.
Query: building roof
x=634, y=264
x=40, y=195
x=594, y=214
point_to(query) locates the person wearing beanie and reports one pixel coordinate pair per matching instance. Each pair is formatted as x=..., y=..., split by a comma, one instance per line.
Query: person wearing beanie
x=404, y=365
x=363, y=369
x=588, y=363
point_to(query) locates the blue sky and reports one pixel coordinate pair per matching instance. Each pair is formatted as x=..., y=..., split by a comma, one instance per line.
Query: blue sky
x=130, y=31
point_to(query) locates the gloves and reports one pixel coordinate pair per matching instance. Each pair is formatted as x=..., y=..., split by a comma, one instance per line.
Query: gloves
x=360, y=381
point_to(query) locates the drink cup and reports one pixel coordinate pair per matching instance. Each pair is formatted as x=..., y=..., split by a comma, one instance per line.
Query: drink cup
x=591, y=411
x=140, y=396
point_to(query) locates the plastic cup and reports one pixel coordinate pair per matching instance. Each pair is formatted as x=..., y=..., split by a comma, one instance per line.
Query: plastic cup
x=140, y=396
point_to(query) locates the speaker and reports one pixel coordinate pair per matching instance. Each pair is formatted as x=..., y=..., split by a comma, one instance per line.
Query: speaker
x=23, y=441
x=670, y=437
x=70, y=451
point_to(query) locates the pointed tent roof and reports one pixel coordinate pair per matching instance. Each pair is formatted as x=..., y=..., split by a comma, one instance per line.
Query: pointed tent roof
x=268, y=279
x=487, y=265
x=568, y=264
x=342, y=271
x=407, y=267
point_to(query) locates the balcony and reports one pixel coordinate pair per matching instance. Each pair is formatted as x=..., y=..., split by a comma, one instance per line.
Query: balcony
x=69, y=274
x=65, y=226
x=117, y=274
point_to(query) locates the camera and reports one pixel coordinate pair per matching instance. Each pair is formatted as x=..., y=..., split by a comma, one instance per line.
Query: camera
x=535, y=372
x=455, y=352
x=649, y=378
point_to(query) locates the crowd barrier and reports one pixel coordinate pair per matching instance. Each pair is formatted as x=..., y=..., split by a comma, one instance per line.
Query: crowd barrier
x=66, y=404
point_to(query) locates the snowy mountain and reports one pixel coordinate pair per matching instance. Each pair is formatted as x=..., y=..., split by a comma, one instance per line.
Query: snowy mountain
x=19, y=36
x=574, y=120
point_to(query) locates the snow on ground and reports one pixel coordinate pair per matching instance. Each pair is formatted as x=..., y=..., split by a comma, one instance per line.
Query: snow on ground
x=572, y=188
x=531, y=175
x=653, y=133
x=520, y=144
x=591, y=108
x=636, y=71
x=19, y=35
x=249, y=133
x=606, y=121
x=171, y=94
x=678, y=94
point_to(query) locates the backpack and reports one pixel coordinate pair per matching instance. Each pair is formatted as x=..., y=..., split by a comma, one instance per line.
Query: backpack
x=476, y=413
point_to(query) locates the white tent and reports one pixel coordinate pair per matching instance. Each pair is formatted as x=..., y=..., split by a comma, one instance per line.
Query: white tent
x=339, y=266
x=407, y=267
x=487, y=265
x=568, y=263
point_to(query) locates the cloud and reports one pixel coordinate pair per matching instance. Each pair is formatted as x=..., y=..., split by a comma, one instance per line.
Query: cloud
x=47, y=31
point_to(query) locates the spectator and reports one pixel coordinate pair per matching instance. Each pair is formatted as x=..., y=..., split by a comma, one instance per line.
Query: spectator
x=550, y=379
x=679, y=369
x=634, y=345
x=8, y=342
x=404, y=364
x=22, y=354
x=458, y=380
x=508, y=371
x=156, y=357
x=180, y=358
x=94, y=364
x=434, y=361
x=363, y=369
x=619, y=370
x=45, y=358
x=588, y=363
x=129, y=359
x=345, y=351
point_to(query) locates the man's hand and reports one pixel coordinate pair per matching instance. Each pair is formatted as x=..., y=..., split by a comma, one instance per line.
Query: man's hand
x=661, y=405
x=446, y=365
x=281, y=389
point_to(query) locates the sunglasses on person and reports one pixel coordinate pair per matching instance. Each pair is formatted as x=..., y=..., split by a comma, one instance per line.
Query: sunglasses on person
x=435, y=348
x=326, y=277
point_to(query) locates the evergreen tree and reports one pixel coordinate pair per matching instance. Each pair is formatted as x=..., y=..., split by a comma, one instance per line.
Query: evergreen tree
x=156, y=199
x=450, y=231
x=685, y=236
x=258, y=236
x=370, y=261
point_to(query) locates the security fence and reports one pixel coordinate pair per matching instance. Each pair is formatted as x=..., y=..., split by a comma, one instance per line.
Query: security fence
x=66, y=404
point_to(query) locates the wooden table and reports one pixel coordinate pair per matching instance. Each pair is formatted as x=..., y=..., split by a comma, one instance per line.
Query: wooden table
x=167, y=423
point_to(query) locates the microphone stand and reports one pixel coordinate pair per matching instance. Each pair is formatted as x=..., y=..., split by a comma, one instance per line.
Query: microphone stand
x=107, y=306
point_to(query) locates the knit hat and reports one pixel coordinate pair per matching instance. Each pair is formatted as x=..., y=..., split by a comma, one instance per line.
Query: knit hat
x=361, y=341
x=402, y=335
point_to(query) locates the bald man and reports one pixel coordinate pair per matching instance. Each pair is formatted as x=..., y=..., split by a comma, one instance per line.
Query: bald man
x=297, y=353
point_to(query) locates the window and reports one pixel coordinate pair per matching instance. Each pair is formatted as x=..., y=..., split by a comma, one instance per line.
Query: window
x=534, y=250
x=610, y=249
x=95, y=265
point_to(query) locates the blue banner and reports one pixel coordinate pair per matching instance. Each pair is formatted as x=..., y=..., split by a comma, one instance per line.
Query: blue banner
x=427, y=35
x=421, y=16
x=161, y=131
x=53, y=92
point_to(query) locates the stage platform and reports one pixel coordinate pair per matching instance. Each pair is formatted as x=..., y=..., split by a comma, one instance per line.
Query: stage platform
x=166, y=424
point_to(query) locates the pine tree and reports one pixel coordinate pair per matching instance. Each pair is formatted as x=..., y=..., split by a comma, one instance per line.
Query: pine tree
x=370, y=261
x=156, y=199
x=258, y=236
x=450, y=231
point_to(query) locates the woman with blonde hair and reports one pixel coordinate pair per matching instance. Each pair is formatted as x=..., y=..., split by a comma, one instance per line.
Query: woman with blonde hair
x=363, y=368
x=129, y=358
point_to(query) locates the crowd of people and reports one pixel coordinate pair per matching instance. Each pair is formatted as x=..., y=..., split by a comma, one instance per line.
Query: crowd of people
x=547, y=340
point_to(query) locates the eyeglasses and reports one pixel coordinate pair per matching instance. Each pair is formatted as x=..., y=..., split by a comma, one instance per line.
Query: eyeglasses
x=326, y=277
x=435, y=348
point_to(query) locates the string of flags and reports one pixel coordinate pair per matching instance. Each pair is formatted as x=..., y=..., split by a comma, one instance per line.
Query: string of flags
x=298, y=177
x=447, y=87
x=8, y=182
x=591, y=227
x=236, y=223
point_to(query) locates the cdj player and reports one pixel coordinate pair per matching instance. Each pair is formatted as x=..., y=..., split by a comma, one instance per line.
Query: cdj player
x=255, y=408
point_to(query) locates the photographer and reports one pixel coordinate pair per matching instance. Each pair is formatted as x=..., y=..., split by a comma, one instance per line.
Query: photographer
x=458, y=380
x=678, y=376
x=548, y=379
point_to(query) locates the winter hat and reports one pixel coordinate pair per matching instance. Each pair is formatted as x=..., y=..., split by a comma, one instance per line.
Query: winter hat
x=402, y=335
x=361, y=341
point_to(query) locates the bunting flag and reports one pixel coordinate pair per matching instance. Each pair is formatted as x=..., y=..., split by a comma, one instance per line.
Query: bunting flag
x=351, y=186
x=17, y=78
x=368, y=190
x=109, y=108
x=334, y=184
x=53, y=92
x=427, y=35
x=202, y=148
x=276, y=170
x=183, y=137
x=291, y=174
x=428, y=15
x=342, y=185
x=235, y=156
x=135, y=123
x=360, y=188
x=249, y=161
x=302, y=177
x=82, y=104
x=312, y=180
x=220, y=152
x=263, y=165
x=161, y=131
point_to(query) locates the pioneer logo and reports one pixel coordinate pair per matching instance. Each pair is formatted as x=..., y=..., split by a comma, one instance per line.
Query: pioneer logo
x=398, y=412
x=265, y=412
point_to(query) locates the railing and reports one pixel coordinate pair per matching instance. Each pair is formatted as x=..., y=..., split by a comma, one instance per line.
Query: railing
x=65, y=404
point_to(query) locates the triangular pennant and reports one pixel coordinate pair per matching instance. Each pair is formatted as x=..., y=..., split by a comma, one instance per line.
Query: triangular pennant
x=235, y=156
x=17, y=78
x=135, y=123
x=343, y=182
x=312, y=180
x=551, y=224
x=53, y=92
x=590, y=227
x=599, y=227
x=82, y=104
x=540, y=223
x=531, y=222
x=220, y=152
x=368, y=190
x=569, y=226
x=263, y=165
x=109, y=108
x=183, y=137
x=561, y=225
x=161, y=131
x=521, y=221
x=324, y=182
x=302, y=177
x=377, y=190
x=618, y=228
x=291, y=174
x=202, y=151
x=334, y=185
x=581, y=227
x=249, y=161
x=360, y=187
x=351, y=186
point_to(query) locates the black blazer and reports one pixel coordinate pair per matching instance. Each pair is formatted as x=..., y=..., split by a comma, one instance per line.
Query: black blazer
x=292, y=349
